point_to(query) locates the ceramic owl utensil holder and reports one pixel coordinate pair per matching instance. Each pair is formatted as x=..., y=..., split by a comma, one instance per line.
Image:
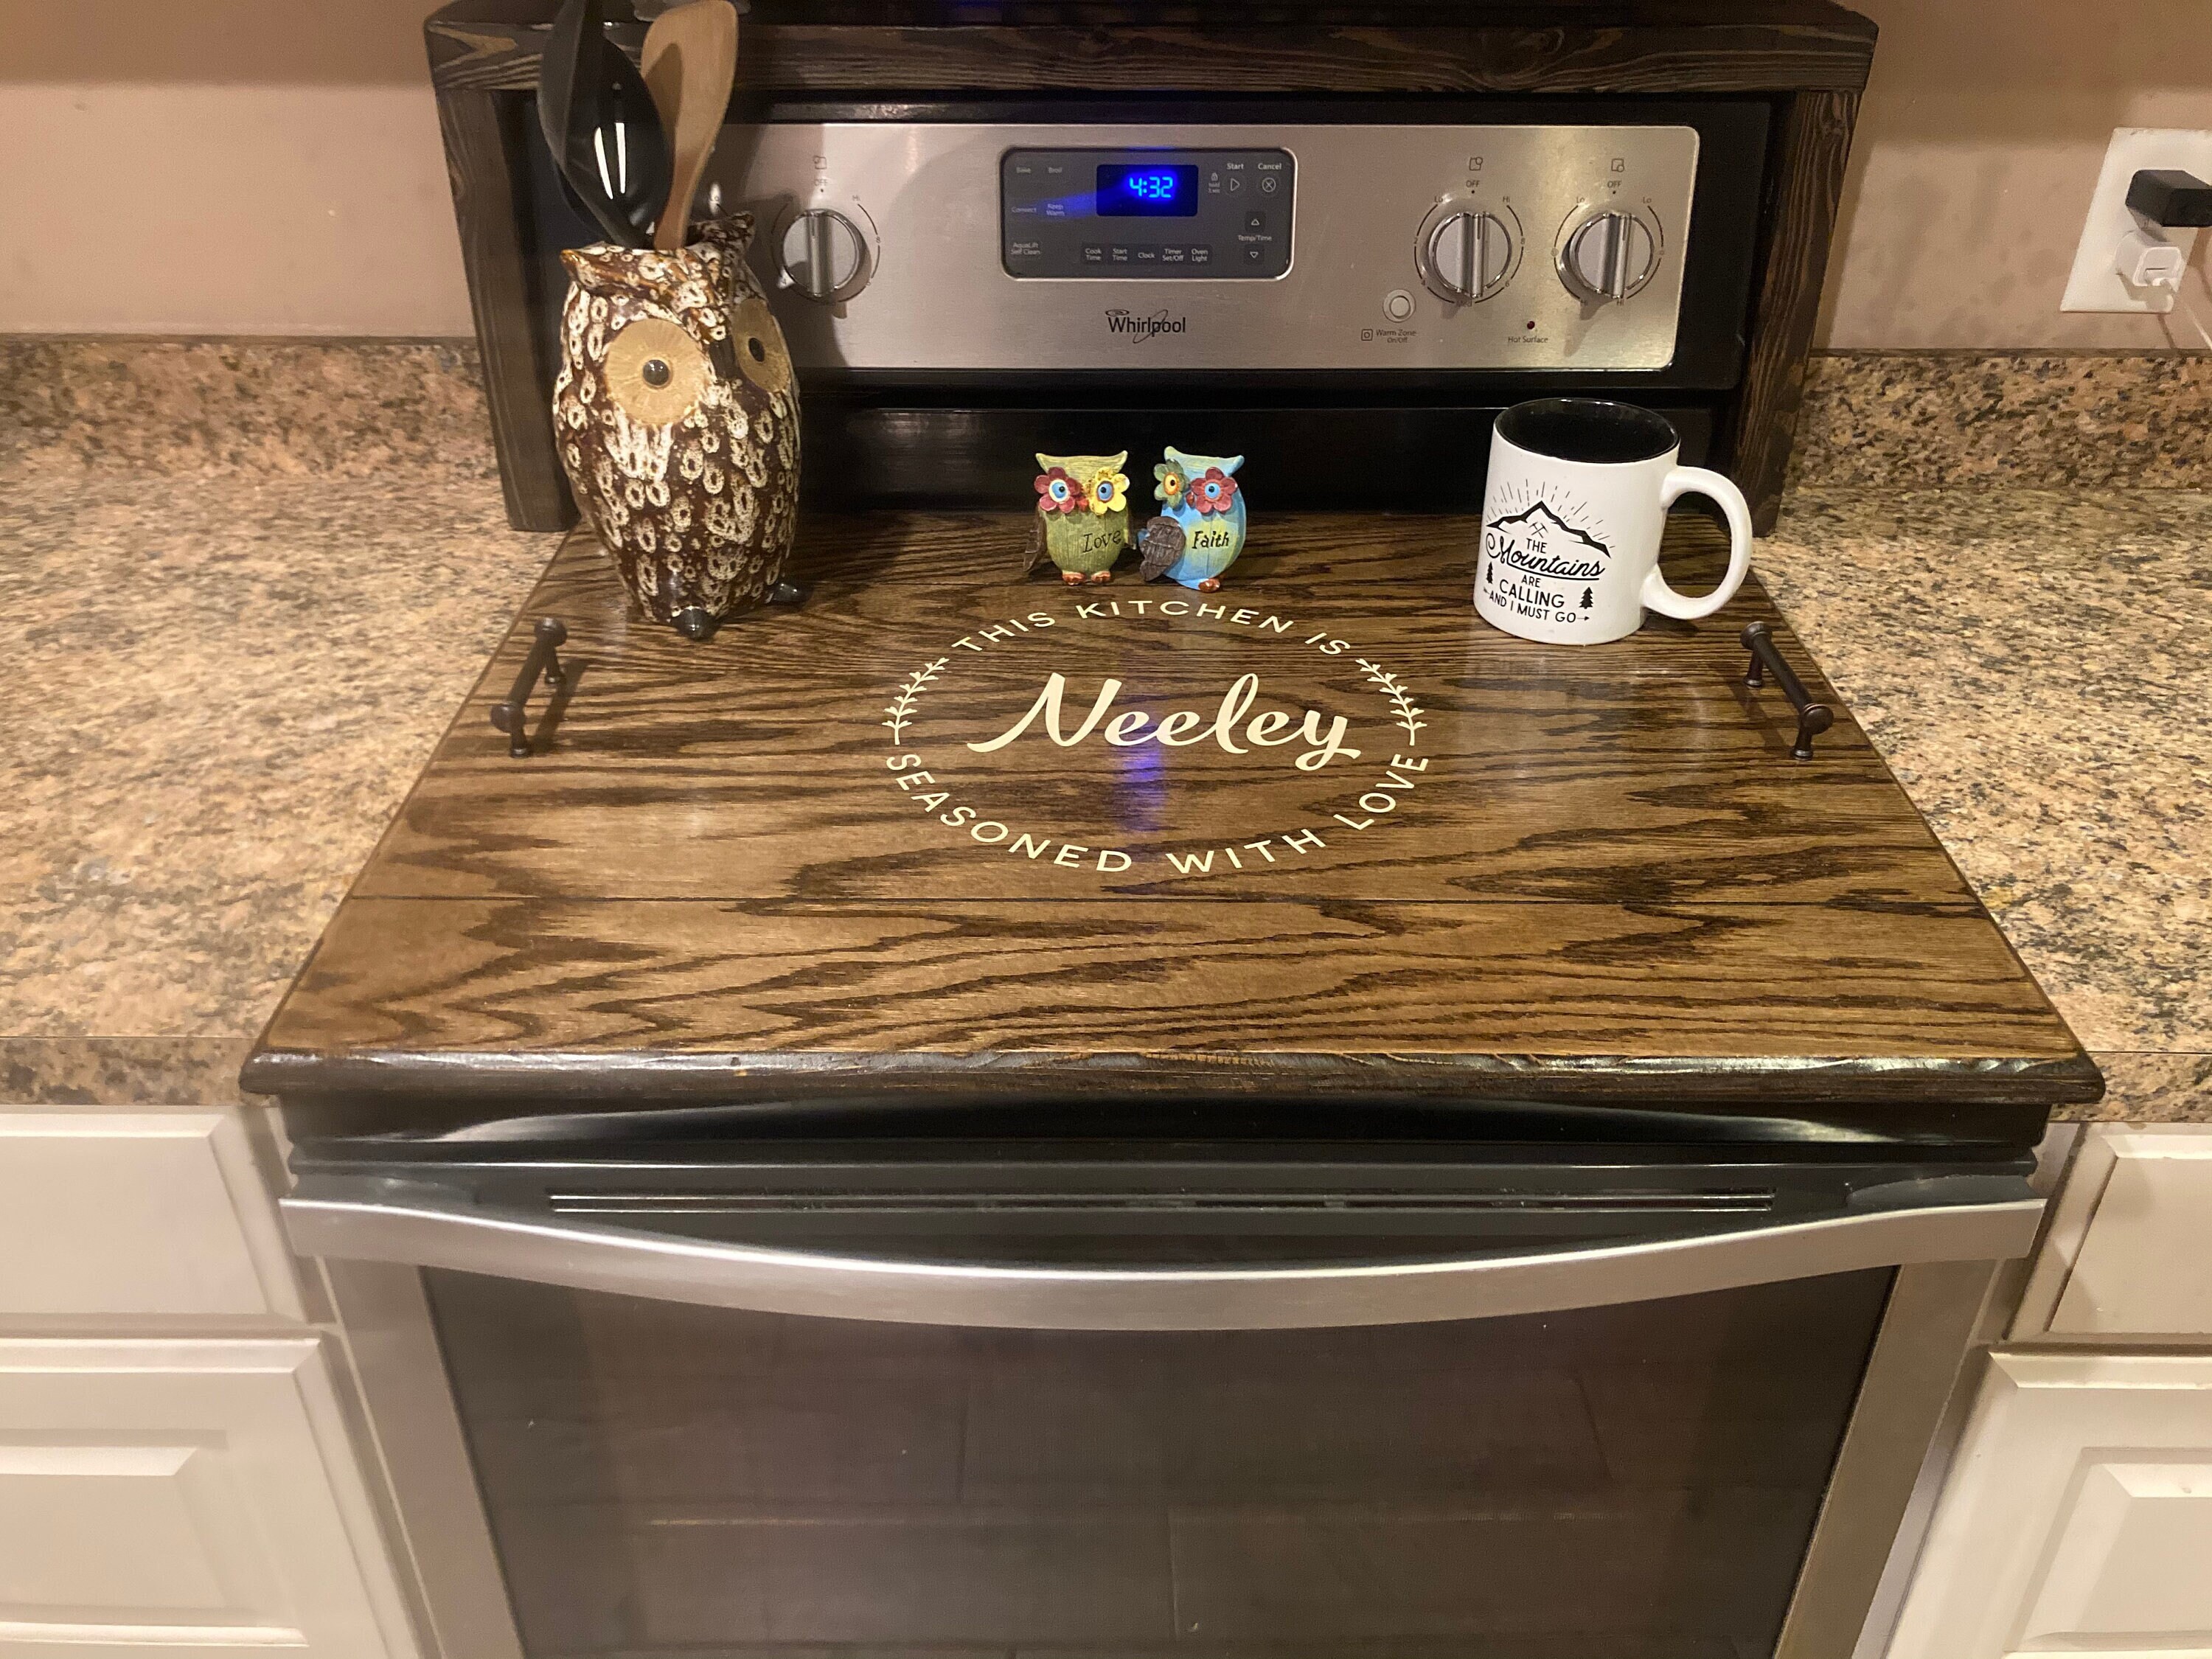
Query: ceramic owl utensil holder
x=1082, y=516
x=677, y=415
x=1199, y=529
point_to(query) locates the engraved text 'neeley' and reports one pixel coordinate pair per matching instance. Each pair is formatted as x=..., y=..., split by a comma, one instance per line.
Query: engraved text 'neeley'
x=1270, y=729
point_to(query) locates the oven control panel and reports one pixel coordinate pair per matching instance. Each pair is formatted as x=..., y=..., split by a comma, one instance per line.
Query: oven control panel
x=1143, y=215
x=926, y=246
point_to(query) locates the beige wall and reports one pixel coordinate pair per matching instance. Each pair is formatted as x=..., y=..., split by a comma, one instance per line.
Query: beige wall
x=222, y=166
x=1979, y=141
x=273, y=167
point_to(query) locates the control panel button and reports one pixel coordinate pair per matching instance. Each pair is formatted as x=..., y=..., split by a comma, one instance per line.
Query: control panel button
x=1174, y=254
x=1200, y=254
x=824, y=255
x=1397, y=305
x=1254, y=255
x=1094, y=253
x=1255, y=221
x=1608, y=258
x=1117, y=254
x=1148, y=256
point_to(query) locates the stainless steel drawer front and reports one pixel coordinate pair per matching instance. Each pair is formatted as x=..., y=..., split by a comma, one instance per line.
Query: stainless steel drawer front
x=1564, y=244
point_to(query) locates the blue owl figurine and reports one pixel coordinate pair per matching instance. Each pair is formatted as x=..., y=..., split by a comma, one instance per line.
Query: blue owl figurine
x=1199, y=530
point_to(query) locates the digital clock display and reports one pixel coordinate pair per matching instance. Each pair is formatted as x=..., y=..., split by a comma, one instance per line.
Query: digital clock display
x=1149, y=190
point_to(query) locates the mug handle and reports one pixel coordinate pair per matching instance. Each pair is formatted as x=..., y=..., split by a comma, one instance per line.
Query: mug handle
x=1697, y=481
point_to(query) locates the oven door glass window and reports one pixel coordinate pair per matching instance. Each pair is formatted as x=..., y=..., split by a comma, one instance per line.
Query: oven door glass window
x=1631, y=1480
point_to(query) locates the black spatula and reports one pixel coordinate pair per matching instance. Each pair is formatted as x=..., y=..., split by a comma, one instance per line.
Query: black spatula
x=600, y=122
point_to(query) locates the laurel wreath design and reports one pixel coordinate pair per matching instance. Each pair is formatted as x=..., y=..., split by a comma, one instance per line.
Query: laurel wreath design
x=1409, y=712
x=901, y=709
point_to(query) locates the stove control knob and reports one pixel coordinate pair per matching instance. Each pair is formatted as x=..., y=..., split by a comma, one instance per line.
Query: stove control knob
x=824, y=255
x=1609, y=256
x=1465, y=255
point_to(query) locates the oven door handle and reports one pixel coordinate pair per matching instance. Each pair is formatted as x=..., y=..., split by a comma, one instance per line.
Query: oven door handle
x=766, y=1280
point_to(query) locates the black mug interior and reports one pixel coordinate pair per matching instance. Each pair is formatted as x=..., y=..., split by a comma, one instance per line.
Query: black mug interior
x=1590, y=429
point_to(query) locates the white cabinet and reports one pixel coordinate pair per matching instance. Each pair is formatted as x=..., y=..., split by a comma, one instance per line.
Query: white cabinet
x=2133, y=1557
x=176, y=1473
x=164, y=1496
x=2130, y=1252
x=138, y=1213
x=2078, y=1515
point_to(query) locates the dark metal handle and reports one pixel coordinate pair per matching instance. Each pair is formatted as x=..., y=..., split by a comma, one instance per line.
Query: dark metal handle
x=508, y=716
x=1812, y=717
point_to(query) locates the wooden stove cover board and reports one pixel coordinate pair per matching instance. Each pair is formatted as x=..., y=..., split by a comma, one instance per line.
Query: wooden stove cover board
x=792, y=862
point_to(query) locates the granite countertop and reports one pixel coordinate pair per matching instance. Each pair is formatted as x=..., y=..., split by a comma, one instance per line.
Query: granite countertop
x=223, y=678
x=219, y=689
x=2028, y=662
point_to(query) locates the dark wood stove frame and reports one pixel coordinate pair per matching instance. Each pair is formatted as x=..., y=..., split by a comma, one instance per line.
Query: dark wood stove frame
x=1808, y=57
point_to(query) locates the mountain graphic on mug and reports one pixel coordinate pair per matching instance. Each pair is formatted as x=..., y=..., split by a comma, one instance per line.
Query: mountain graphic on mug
x=1538, y=542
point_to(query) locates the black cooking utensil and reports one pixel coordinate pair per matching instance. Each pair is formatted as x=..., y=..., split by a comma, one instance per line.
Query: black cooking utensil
x=600, y=122
x=559, y=71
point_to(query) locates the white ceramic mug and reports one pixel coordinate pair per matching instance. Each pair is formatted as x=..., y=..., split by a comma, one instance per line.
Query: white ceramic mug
x=1571, y=516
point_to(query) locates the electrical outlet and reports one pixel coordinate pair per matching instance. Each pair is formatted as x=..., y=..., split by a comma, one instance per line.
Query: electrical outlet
x=2095, y=283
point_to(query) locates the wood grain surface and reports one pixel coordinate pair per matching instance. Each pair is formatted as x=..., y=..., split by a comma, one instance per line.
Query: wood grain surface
x=1812, y=145
x=487, y=165
x=1622, y=48
x=1567, y=776
x=1546, y=869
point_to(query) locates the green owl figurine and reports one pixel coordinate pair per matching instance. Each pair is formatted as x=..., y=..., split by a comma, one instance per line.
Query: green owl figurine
x=1083, y=516
x=1199, y=530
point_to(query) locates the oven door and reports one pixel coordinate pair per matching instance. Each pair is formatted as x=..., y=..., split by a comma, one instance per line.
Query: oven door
x=1602, y=1427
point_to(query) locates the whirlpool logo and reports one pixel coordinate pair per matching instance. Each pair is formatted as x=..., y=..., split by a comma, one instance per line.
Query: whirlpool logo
x=1137, y=330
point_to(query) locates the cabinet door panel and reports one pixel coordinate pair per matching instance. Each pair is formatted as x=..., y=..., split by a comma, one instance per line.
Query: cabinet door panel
x=2078, y=1517
x=138, y=1213
x=2133, y=1556
x=108, y=1527
x=2128, y=1255
x=160, y=1498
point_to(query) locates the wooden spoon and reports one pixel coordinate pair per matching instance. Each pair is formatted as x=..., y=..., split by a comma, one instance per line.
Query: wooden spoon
x=690, y=61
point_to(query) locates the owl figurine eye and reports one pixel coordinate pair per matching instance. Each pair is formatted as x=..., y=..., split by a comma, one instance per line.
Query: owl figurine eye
x=1214, y=492
x=656, y=373
x=1058, y=492
x=1106, y=493
x=760, y=351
